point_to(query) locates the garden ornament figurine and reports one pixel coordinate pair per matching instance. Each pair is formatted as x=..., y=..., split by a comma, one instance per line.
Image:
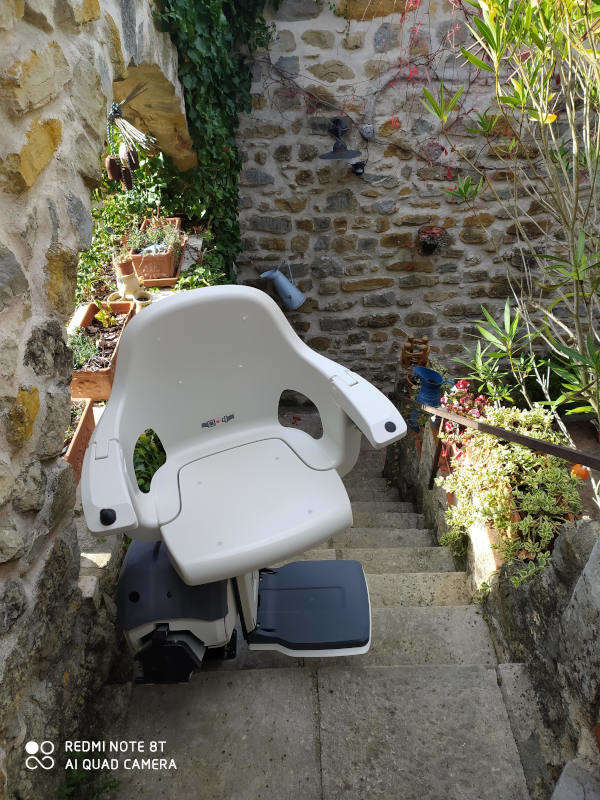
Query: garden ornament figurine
x=238, y=492
x=129, y=287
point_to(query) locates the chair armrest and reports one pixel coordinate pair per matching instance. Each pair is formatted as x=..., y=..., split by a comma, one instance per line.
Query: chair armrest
x=374, y=415
x=105, y=492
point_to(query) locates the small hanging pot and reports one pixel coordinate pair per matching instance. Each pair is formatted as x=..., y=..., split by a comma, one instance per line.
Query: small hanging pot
x=126, y=179
x=113, y=168
x=432, y=238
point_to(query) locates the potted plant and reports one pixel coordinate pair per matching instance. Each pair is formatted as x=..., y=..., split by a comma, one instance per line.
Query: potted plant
x=78, y=434
x=95, y=344
x=156, y=250
x=128, y=285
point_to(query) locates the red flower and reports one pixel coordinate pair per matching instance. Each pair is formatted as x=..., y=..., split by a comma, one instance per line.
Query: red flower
x=481, y=399
x=462, y=385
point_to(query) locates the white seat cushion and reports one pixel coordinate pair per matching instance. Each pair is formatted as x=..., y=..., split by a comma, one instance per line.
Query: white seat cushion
x=248, y=507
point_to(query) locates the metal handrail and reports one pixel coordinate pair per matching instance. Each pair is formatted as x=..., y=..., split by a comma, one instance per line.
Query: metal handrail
x=537, y=445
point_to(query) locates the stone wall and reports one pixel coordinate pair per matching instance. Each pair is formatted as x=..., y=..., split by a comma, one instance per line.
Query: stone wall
x=351, y=240
x=61, y=64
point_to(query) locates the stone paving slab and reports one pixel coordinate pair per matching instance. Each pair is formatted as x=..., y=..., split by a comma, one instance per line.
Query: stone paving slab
x=419, y=589
x=426, y=733
x=245, y=735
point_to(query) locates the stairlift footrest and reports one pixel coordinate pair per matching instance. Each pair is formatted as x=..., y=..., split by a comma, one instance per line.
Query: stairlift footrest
x=313, y=609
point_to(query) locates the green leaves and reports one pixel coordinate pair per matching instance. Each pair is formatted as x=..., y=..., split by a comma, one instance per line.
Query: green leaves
x=148, y=456
x=465, y=190
x=442, y=107
x=477, y=62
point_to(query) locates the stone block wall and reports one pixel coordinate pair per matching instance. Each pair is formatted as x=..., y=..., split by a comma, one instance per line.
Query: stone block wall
x=61, y=64
x=351, y=239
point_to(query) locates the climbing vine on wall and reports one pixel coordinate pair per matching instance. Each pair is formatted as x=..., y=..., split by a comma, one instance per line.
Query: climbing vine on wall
x=214, y=39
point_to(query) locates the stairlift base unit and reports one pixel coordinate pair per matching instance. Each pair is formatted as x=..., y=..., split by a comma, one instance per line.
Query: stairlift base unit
x=309, y=609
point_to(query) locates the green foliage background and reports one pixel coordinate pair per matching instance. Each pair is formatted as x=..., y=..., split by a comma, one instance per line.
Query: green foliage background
x=214, y=39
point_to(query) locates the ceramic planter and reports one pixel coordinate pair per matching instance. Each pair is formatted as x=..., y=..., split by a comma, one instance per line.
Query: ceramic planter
x=81, y=437
x=96, y=384
x=160, y=269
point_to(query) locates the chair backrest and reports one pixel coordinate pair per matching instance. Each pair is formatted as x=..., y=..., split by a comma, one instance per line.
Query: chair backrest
x=193, y=363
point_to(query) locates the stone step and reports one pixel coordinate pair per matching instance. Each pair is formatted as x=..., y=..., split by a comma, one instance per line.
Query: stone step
x=368, y=469
x=382, y=537
x=315, y=554
x=401, y=636
x=416, y=733
x=366, y=493
x=386, y=519
x=399, y=559
x=390, y=560
x=419, y=589
x=241, y=736
x=368, y=480
x=425, y=635
x=377, y=506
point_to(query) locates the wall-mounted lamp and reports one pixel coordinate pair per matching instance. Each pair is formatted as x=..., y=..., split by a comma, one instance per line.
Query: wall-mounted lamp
x=338, y=128
x=358, y=167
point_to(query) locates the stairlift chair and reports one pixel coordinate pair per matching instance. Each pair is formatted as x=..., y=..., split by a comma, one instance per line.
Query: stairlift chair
x=238, y=492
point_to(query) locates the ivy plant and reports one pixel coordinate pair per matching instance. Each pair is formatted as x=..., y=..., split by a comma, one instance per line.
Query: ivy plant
x=214, y=39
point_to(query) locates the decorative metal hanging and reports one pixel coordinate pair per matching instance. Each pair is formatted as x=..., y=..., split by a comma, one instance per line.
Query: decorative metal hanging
x=337, y=129
x=121, y=166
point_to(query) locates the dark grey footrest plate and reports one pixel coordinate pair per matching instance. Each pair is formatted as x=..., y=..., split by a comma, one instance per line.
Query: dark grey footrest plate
x=313, y=605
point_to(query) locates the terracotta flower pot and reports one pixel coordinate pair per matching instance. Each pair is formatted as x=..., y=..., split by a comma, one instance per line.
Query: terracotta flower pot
x=96, y=384
x=81, y=437
x=160, y=269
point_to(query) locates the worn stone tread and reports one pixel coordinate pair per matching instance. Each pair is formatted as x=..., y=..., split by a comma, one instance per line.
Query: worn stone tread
x=416, y=733
x=400, y=559
x=386, y=519
x=382, y=537
x=400, y=636
x=362, y=493
x=419, y=589
x=246, y=735
x=379, y=506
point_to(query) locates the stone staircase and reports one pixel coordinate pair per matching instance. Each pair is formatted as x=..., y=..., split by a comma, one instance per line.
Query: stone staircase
x=421, y=716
